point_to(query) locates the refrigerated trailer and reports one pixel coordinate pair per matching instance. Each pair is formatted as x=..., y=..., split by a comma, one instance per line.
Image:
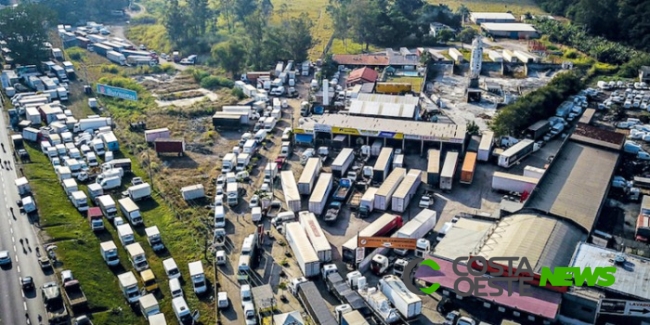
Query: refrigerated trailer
x=342, y=162
x=318, y=198
x=305, y=254
x=384, y=195
x=290, y=191
x=516, y=153
x=513, y=183
x=448, y=171
x=416, y=228
x=407, y=303
x=309, y=176
x=382, y=166
x=383, y=226
x=316, y=236
x=485, y=146
x=433, y=167
x=406, y=190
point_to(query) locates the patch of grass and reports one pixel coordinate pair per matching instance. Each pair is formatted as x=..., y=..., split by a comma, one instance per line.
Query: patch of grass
x=416, y=82
x=517, y=7
x=152, y=36
x=349, y=47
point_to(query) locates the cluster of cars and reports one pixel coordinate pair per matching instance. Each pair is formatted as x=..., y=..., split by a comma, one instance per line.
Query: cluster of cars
x=630, y=99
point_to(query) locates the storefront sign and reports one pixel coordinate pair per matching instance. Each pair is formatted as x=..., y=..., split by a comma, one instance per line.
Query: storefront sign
x=412, y=137
x=350, y=131
x=303, y=131
x=391, y=135
x=322, y=128
x=368, y=133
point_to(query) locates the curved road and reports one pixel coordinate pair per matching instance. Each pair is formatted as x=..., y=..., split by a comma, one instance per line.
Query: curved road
x=14, y=303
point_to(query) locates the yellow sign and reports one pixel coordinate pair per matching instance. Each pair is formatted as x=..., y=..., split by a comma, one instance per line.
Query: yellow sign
x=299, y=131
x=398, y=136
x=350, y=131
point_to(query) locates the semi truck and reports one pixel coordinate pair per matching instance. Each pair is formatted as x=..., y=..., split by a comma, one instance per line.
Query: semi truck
x=448, y=171
x=516, y=153
x=311, y=299
x=176, y=146
x=417, y=227
x=382, y=166
x=383, y=226
x=291, y=194
x=406, y=190
x=307, y=258
x=309, y=176
x=91, y=124
x=318, y=198
x=433, y=167
x=316, y=236
x=538, y=130
x=342, y=190
x=469, y=166
x=384, y=195
x=407, y=303
x=342, y=162
x=116, y=57
x=513, y=183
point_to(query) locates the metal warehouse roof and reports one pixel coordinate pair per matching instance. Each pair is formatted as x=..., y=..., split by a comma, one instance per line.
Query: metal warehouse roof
x=508, y=27
x=631, y=275
x=462, y=238
x=491, y=15
x=576, y=183
x=544, y=240
x=382, y=109
x=429, y=131
x=391, y=99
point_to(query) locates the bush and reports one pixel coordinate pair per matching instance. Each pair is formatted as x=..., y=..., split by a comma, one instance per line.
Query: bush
x=76, y=53
x=214, y=82
x=145, y=19
x=238, y=93
x=110, y=69
x=571, y=54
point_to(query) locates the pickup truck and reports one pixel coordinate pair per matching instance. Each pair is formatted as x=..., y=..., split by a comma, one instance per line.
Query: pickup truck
x=355, y=199
x=272, y=210
x=280, y=162
x=332, y=212
x=73, y=293
x=342, y=191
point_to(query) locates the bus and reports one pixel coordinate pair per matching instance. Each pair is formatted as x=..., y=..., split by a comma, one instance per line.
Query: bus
x=383, y=226
x=514, y=154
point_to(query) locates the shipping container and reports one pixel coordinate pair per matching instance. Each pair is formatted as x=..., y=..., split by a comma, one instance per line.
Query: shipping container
x=468, y=169
x=342, y=162
x=384, y=195
x=382, y=166
x=314, y=305
x=396, y=88
x=433, y=167
x=530, y=171
x=383, y=226
x=290, y=191
x=513, y=183
x=169, y=146
x=152, y=135
x=304, y=253
x=316, y=236
x=309, y=175
x=538, y=130
x=645, y=205
x=485, y=147
x=417, y=227
x=516, y=153
x=406, y=190
x=318, y=198
x=448, y=171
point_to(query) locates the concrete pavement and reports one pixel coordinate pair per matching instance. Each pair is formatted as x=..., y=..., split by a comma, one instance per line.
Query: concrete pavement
x=14, y=303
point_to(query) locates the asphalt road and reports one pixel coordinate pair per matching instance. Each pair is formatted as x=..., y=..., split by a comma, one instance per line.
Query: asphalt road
x=14, y=303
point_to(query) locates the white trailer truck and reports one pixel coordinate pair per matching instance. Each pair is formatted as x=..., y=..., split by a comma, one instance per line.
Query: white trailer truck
x=406, y=190
x=303, y=251
x=513, y=183
x=407, y=303
x=416, y=228
x=316, y=236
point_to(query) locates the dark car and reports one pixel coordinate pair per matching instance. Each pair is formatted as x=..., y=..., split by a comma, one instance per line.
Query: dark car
x=82, y=320
x=27, y=283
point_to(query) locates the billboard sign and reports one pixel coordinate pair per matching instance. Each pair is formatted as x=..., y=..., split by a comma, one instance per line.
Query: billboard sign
x=117, y=92
x=388, y=242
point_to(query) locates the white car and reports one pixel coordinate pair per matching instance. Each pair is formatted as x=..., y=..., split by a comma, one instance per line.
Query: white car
x=4, y=258
x=221, y=180
x=219, y=190
x=255, y=201
x=222, y=300
x=425, y=202
x=56, y=162
x=466, y=321
x=265, y=187
x=118, y=221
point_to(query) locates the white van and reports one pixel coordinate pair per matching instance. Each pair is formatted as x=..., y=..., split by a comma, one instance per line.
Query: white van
x=198, y=277
x=283, y=217
x=219, y=217
x=175, y=288
x=181, y=310
x=171, y=269
x=260, y=135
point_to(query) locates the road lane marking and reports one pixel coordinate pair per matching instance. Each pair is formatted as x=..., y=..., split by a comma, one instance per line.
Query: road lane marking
x=25, y=305
x=12, y=231
x=14, y=248
x=18, y=267
x=12, y=238
x=22, y=293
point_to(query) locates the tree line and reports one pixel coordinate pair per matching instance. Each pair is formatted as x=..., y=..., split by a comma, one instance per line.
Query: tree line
x=537, y=105
x=389, y=22
x=625, y=21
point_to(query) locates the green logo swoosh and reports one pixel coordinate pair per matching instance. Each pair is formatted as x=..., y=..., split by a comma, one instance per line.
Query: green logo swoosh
x=434, y=266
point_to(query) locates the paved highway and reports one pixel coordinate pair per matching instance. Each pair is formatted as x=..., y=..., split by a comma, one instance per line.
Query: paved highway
x=15, y=304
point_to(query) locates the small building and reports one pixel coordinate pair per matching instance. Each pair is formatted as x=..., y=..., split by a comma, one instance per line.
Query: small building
x=290, y=318
x=402, y=59
x=644, y=74
x=495, y=56
x=526, y=57
x=372, y=60
x=491, y=17
x=435, y=28
x=361, y=76
x=456, y=55
x=509, y=56
x=510, y=30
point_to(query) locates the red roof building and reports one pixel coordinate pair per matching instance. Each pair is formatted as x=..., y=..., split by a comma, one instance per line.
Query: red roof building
x=361, y=76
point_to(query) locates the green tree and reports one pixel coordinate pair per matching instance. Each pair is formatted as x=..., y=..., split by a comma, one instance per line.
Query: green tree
x=256, y=26
x=199, y=15
x=463, y=11
x=266, y=6
x=467, y=35
x=444, y=36
x=175, y=21
x=472, y=128
x=226, y=7
x=245, y=8
x=230, y=56
x=298, y=38
x=364, y=25
x=339, y=13
x=24, y=28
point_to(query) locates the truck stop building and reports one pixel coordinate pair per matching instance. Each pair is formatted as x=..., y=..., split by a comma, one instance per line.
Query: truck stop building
x=410, y=136
x=491, y=17
x=510, y=30
x=387, y=106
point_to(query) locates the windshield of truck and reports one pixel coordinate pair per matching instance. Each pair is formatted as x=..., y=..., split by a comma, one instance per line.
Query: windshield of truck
x=149, y=282
x=250, y=315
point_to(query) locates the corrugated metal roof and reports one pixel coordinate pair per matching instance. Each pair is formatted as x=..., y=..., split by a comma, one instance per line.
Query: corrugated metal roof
x=381, y=98
x=631, y=276
x=462, y=238
x=508, y=27
x=543, y=240
x=576, y=184
x=382, y=109
x=491, y=15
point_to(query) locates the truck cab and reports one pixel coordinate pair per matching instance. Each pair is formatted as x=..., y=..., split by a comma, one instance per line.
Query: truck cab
x=149, y=280
x=129, y=286
x=154, y=238
x=137, y=257
x=95, y=218
x=198, y=277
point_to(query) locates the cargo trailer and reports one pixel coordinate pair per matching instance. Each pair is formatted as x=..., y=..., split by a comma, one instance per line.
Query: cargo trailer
x=309, y=176
x=193, y=192
x=152, y=135
x=383, y=226
x=406, y=190
x=513, y=183
x=534, y=172
x=417, y=227
x=469, y=166
x=514, y=154
x=316, y=236
x=303, y=251
x=311, y=299
x=433, y=167
x=384, y=195
x=485, y=147
x=290, y=191
x=342, y=162
x=538, y=130
x=382, y=166
x=176, y=146
x=367, y=203
x=448, y=171
x=318, y=198
x=406, y=302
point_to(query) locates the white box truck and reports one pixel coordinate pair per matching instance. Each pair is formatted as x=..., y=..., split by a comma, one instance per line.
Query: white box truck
x=316, y=236
x=290, y=191
x=116, y=57
x=384, y=195
x=108, y=249
x=193, y=192
x=140, y=192
x=131, y=211
x=406, y=302
x=125, y=232
x=485, y=146
x=406, y=190
x=152, y=135
x=448, y=171
x=318, y=198
x=303, y=251
x=309, y=176
x=198, y=277
x=228, y=163
x=129, y=287
x=108, y=206
x=367, y=203
x=417, y=227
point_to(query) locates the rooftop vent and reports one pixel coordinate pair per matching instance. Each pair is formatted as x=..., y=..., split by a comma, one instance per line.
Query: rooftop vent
x=619, y=258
